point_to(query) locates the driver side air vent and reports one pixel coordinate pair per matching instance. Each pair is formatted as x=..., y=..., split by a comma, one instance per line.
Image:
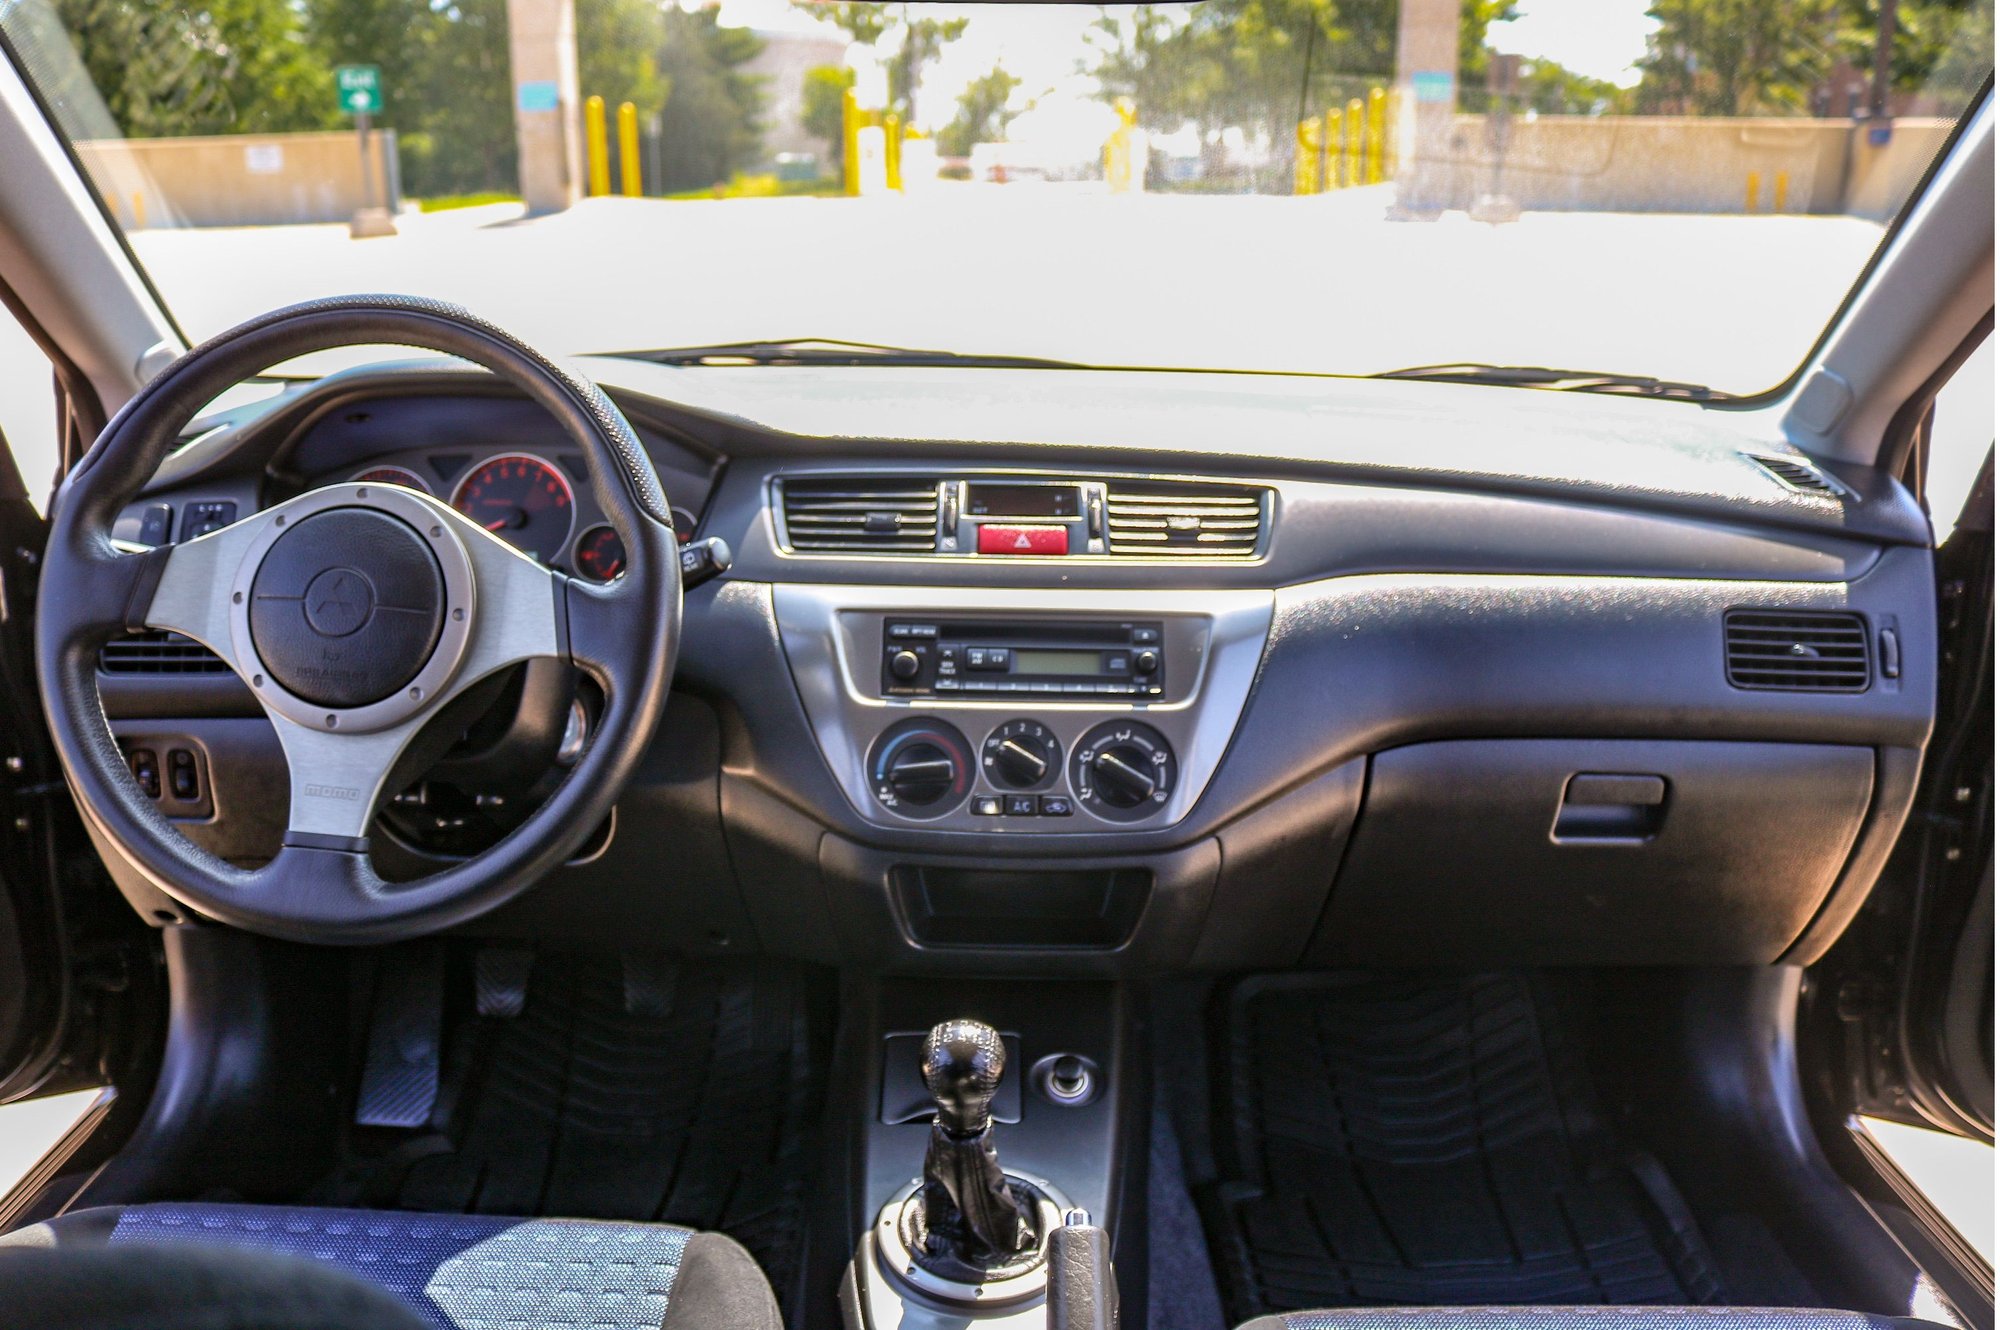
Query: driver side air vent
x=1798, y=651
x=1166, y=521
x=862, y=514
x=1798, y=474
x=155, y=651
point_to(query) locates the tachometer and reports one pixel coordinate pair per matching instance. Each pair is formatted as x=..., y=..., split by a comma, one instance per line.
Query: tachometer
x=391, y=475
x=523, y=500
x=600, y=555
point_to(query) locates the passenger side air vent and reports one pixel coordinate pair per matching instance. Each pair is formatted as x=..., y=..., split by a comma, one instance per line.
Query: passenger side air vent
x=1167, y=521
x=862, y=514
x=154, y=651
x=1798, y=475
x=1797, y=650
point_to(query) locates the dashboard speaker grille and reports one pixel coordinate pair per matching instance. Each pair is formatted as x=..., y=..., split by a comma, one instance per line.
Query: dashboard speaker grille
x=862, y=515
x=1166, y=521
x=1799, y=475
x=155, y=651
x=1797, y=651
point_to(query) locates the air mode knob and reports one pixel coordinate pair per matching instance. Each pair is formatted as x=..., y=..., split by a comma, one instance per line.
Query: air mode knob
x=1123, y=770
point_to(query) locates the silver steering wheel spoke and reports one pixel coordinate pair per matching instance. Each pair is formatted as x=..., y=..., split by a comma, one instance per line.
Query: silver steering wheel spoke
x=347, y=662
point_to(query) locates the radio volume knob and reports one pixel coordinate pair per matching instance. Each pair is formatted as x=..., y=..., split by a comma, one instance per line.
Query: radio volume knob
x=905, y=664
x=1145, y=662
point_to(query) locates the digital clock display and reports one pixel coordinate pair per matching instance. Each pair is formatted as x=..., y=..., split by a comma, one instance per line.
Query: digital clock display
x=1023, y=500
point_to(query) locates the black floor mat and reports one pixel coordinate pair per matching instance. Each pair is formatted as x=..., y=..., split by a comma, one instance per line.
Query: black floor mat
x=1429, y=1141
x=696, y=1100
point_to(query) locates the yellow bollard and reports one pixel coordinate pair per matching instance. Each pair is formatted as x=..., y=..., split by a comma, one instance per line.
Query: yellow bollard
x=1352, y=147
x=628, y=151
x=1779, y=188
x=1751, y=188
x=892, y=150
x=1378, y=102
x=850, y=144
x=1329, y=150
x=593, y=141
x=1305, y=166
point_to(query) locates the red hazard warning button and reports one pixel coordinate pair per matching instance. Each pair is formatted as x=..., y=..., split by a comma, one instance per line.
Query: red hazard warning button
x=1023, y=539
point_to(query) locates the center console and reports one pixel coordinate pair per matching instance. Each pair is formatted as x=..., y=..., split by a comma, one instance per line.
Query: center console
x=1019, y=711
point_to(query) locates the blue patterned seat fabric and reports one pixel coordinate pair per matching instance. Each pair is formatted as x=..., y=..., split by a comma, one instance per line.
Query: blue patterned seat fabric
x=459, y=1272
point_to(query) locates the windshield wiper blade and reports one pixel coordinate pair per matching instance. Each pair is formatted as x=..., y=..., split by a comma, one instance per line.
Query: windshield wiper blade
x=831, y=351
x=1561, y=380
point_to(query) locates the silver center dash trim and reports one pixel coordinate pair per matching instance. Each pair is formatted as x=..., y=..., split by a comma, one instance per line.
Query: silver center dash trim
x=832, y=637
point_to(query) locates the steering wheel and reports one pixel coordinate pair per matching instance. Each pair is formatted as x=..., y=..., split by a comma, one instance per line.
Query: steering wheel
x=354, y=613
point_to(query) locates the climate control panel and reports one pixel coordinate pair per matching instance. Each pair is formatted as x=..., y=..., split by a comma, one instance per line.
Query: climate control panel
x=1073, y=712
x=923, y=768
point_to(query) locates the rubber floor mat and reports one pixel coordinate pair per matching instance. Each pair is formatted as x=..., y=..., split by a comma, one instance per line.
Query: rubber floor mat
x=1429, y=1141
x=689, y=1094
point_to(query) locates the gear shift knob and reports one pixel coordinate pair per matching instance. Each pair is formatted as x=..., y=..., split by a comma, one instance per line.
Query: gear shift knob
x=963, y=1063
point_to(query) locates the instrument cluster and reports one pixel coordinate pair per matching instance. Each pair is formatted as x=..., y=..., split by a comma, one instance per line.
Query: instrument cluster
x=527, y=499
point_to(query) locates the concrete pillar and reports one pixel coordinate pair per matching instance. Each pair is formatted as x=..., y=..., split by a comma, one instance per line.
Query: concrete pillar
x=1426, y=100
x=541, y=49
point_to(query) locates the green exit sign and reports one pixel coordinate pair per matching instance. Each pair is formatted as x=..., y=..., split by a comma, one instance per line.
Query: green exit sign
x=359, y=88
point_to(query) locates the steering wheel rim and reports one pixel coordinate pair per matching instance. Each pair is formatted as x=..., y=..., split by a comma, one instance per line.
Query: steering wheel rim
x=321, y=887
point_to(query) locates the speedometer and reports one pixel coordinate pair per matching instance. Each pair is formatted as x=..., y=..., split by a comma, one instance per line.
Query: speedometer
x=522, y=499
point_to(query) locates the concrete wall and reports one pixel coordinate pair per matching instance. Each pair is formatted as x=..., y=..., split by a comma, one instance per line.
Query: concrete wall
x=238, y=179
x=782, y=66
x=1685, y=164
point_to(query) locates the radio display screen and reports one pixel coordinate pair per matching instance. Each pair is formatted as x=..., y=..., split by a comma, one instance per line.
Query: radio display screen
x=1022, y=500
x=1057, y=662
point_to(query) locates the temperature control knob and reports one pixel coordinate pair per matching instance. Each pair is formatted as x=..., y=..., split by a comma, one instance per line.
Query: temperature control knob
x=921, y=768
x=1021, y=755
x=1123, y=770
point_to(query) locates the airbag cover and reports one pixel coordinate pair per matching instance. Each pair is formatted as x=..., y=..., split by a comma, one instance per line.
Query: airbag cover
x=346, y=607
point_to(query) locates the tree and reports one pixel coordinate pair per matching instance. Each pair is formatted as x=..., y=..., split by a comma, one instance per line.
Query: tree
x=1258, y=66
x=822, y=109
x=618, y=53
x=906, y=45
x=982, y=113
x=710, y=126
x=223, y=67
x=1738, y=57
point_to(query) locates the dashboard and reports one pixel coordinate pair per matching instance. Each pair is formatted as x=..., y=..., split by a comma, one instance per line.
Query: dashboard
x=1095, y=672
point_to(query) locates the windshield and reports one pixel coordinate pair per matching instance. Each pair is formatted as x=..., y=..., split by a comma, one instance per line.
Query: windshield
x=1684, y=190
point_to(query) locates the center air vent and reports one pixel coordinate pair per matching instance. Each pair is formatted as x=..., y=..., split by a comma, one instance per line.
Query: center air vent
x=1797, y=650
x=862, y=514
x=153, y=651
x=1165, y=521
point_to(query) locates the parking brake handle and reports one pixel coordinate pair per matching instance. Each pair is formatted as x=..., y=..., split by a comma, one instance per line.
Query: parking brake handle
x=1083, y=1291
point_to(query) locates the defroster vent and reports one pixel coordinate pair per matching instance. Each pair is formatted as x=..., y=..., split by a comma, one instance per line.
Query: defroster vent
x=1169, y=521
x=1796, y=650
x=862, y=514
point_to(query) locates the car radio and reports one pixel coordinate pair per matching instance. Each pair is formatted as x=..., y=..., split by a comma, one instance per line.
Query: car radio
x=1072, y=659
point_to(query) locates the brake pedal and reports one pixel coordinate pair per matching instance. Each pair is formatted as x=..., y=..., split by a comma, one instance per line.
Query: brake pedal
x=500, y=980
x=399, y=1078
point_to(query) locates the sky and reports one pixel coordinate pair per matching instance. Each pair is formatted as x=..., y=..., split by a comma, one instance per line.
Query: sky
x=1042, y=45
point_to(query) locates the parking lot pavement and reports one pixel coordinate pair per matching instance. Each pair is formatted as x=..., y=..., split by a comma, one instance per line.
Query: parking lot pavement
x=1320, y=283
